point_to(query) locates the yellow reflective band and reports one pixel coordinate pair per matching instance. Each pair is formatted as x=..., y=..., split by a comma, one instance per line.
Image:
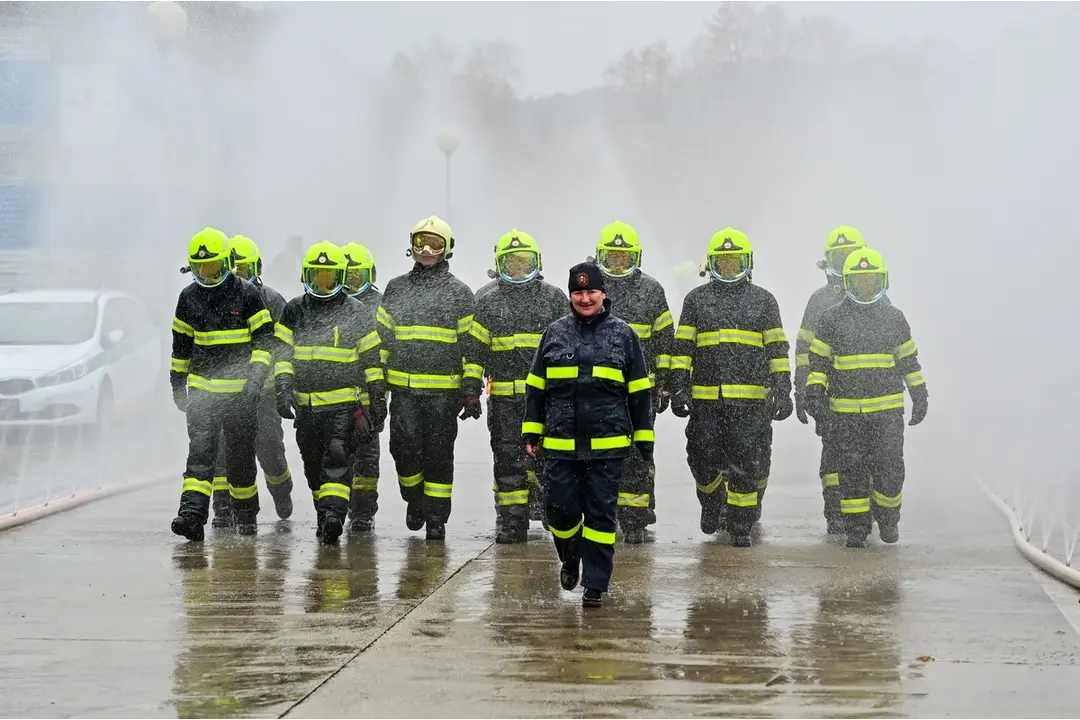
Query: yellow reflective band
x=374, y=374
x=260, y=356
x=428, y=333
x=829, y=480
x=819, y=348
x=644, y=436
x=633, y=500
x=887, y=502
x=195, y=485
x=180, y=366
x=806, y=335
x=762, y=483
x=365, y=398
x=480, y=332
x=530, y=475
x=537, y=382
x=607, y=373
x=597, y=536
x=384, y=356
x=520, y=341
x=780, y=365
x=411, y=480
x=223, y=337
x=663, y=321
x=243, y=493
x=867, y=405
x=817, y=378
x=730, y=335
x=863, y=362
x=686, y=332
x=562, y=373
x=517, y=497
x=559, y=444
x=420, y=381
x=712, y=486
x=532, y=428
x=681, y=362
x=437, y=490
x=854, y=506
x=283, y=333
x=802, y=359
x=730, y=392
x=774, y=335
x=221, y=483
x=361, y=482
x=905, y=350
x=369, y=342
x=663, y=362
x=384, y=318
x=181, y=327
x=329, y=397
x=638, y=385
x=913, y=379
x=464, y=324
x=506, y=388
x=337, y=490
x=741, y=499
x=259, y=319
x=278, y=479
x=214, y=385
x=609, y=443
x=566, y=534
x=474, y=371
x=283, y=367
x=643, y=330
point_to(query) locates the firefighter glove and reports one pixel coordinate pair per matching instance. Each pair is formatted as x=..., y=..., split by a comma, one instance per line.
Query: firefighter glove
x=816, y=404
x=800, y=408
x=361, y=429
x=378, y=413
x=919, y=405
x=680, y=403
x=646, y=450
x=780, y=406
x=470, y=407
x=661, y=398
x=285, y=402
x=180, y=399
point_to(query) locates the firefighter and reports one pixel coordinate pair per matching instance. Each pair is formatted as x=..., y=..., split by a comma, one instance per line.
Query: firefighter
x=423, y=317
x=269, y=438
x=360, y=278
x=588, y=396
x=504, y=336
x=222, y=336
x=838, y=245
x=733, y=379
x=639, y=300
x=326, y=355
x=861, y=358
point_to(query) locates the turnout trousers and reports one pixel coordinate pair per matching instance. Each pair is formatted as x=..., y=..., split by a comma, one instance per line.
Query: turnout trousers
x=637, y=492
x=213, y=420
x=830, y=477
x=322, y=438
x=582, y=501
x=270, y=452
x=516, y=488
x=729, y=451
x=423, y=430
x=870, y=455
x=365, y=481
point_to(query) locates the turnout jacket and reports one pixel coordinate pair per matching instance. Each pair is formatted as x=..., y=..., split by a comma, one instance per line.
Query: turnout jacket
x=423, y=316
x=327, y=354
x=587, y=393
x=369, y=308
x=862, y=356
x=730, y=344
x=222, y=337
x=506, y=332
x=275, y=303
x=640, y=300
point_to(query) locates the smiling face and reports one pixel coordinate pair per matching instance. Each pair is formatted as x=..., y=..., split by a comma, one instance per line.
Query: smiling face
x=588, y=303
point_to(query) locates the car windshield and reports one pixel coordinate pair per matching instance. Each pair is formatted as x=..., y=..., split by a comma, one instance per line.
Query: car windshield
x=47, y=323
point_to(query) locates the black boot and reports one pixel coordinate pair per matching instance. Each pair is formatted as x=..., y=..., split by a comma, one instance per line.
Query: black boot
x=568, y=575
x=330, y=529
x=223, y=514
x=247, y=528
x=633, y=535
x=436, y=530
x=414, y=516
x=189, y=527
x=888, y=533
x=283, y=505
x=513, y=525
x=710, y=521
x=740, y=539
x=592, y=598
x=834, y=526
x=361, y=523
x=856, y=539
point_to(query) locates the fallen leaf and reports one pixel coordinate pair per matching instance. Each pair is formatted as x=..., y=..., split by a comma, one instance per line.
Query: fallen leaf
x=925, y=658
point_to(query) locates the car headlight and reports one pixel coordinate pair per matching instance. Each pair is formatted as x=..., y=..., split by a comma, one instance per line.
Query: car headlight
x=66, y=375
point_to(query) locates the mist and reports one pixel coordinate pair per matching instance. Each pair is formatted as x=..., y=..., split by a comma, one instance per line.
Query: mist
x=946, y=132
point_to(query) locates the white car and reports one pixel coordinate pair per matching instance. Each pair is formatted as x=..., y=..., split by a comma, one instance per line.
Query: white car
x=75, y=357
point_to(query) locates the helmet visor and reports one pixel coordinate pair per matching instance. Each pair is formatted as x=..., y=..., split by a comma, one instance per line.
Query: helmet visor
x=834, y=260
x=357, y=279
x=210, y=274
x=729, y=267
x=865, y=287
x=617, y=262
x=323, y=282
x=518, y=266
x=245, y=270
x=428, y=244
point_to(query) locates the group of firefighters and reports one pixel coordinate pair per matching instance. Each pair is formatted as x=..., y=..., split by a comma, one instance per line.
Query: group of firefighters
x=573, y=388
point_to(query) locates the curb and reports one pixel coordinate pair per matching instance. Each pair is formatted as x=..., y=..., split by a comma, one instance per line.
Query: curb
x=1044, y=561
x=75, y=500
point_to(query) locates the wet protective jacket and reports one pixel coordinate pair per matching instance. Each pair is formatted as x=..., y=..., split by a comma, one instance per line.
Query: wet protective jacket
x=369, y=302
x=730, y=344
x=863, y=356
x=639, y=300
x=275, y=303
x=327, y=355
x=423, y=316
x=506, y=332
x=222, y=336
x=587, y=393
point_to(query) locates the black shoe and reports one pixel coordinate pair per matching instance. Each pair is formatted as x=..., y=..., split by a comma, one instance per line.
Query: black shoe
x=510, y=536
x=283, y=506
x=592, y=598
x=856, y=540
x=247, y=528
x=330, y=529
x=568, y=576
x=650, y=517
x=633, y=537
x=889, y=534
x=536, y=511
x=189, y=527
x=710, y=522
x=436, y=531
x=740, y=540
x=834, y=527
x=224, y=520
x=362, y=523
x=414, y=516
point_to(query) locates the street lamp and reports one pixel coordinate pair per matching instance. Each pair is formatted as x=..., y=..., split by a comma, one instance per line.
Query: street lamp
x=168, y=21
x=448, y=142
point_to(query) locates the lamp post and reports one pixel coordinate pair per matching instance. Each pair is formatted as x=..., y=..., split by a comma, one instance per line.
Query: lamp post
x=168, y=21
x=448, y=142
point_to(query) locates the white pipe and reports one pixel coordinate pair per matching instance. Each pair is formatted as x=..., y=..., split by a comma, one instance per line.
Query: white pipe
x=78, y=499
x=1044, y=561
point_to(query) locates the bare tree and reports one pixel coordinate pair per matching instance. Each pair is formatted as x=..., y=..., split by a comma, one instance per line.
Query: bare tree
x=642, y=67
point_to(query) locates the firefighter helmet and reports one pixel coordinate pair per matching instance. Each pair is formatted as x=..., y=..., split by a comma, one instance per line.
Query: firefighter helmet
x=323, y=271
x=866, y=276
x=245, y=257
x=619, y=252
x=431, y=237
x=208, y=257
x=838, y=245
x=360, y=271
x=731, y=256
x=517, y=257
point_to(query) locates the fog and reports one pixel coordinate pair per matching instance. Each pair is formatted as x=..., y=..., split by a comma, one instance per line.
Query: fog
x=946, y=132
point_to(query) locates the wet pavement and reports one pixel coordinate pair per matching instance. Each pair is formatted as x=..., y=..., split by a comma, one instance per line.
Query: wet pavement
x=107, y=614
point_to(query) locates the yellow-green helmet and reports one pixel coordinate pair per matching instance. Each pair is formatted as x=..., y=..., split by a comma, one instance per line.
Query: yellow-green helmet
x=838, y=246
x=323, y=272
x=245, y=257
x=360, y=268
x=619, y=252
x=725, y=247
x=208, y=257
x=431, y=237
x=517, y=257
x=866, y=276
